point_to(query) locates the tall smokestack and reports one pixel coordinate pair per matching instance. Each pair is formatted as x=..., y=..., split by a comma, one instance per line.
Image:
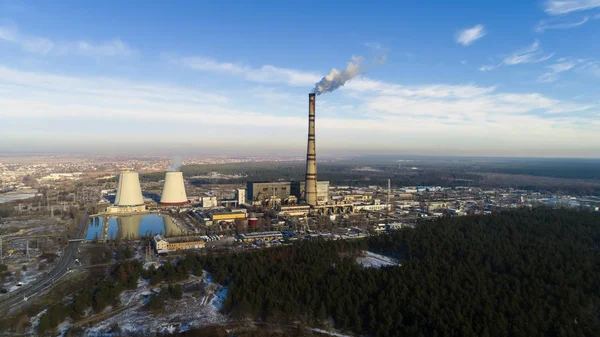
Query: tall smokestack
x=311, y=156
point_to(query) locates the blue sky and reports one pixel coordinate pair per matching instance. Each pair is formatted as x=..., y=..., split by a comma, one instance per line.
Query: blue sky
x=497, y=78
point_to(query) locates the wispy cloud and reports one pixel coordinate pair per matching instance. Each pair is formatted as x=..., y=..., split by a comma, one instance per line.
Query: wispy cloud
x=467, y=36
x=115, y=47
x=531, y=54
x=487, y=68
x=469, y=101
x=8, y=33
x=547, y=77
x=563, y=65
x=365, y=85
x=44, y=46
x=462, y=115
x=559, y=7
x=590, y=67
x=546, y=25
x=380, y=52
x=262, y=74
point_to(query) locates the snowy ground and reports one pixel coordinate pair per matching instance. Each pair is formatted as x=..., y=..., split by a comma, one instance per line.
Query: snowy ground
x=372, y=260
x=26, y=277
x=177, y=315
x=330, y=333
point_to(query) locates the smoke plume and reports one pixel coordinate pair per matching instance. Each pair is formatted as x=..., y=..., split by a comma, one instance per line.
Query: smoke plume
x=337, y=78
x=176, y=163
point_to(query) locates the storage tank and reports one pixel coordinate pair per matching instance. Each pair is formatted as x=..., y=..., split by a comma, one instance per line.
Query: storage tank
x=253, y=222
x=129, y=192
x=173, y=193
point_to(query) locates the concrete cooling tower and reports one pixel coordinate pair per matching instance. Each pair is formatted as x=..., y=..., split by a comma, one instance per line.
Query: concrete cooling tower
x=129, y=192
x=173, y=193
x=118, y=189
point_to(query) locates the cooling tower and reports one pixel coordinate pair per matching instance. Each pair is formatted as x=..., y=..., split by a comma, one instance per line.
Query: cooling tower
x=118, y=189
x=173, y=193
x=129, y=192
x=310, y=187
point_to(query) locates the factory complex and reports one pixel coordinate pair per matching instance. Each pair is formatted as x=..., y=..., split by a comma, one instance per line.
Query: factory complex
x=259, y=212
x=290, y=198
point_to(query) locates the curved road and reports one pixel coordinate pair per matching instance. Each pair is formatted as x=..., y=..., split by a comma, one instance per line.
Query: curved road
x=66, y=260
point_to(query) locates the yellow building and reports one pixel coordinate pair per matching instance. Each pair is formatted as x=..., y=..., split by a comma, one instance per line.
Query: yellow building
x=230, y=216
x=172, y=246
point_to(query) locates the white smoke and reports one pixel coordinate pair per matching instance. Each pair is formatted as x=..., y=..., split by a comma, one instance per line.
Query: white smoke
x=176, y=163
x=337, y=78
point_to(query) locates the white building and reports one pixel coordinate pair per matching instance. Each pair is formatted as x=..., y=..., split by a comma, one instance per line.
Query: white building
x=209, y=202
x=371, y=207
x=240, y=196
x=160, y=244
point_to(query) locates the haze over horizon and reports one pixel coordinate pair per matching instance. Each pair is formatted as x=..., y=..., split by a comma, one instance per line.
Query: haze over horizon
x=439, y=79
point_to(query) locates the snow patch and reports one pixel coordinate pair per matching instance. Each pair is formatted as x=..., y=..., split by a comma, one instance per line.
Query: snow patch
x=64, y=327
x=372, y=260
x=220, y=296
x=330, y=333
x=177, y=316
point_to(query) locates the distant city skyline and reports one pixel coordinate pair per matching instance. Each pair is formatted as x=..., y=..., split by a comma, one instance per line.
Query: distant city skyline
x=463, y=78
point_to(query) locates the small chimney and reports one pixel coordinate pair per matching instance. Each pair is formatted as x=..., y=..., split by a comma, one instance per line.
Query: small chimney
x=310, y=184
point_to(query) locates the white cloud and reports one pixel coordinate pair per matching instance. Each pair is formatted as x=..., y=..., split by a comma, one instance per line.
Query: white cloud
x=589, y=67
x=379, y=51
x=487, y=68
x=560, y=67
x=563, y=65
x=115, y=47
x=559, y=7
x=464, y=118
x=474, y=108
x=547, y=77
x=470, y=35
x=365, y=85
x=37, y=45
x=531, y=54
x=545, y=25
x=102, y=88
x=7, y=33
x=376, y=46
x=44, y=46
x=263, y=74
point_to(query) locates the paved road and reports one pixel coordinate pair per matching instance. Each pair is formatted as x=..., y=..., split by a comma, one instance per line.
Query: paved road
x=66, y=260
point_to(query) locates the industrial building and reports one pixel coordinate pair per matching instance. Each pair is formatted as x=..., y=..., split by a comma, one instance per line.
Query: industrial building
x=294, y=210
x=281, y=192
x=173, y=193
x=129, y=197
x=227, y=216
x=259, y=236
x=240, y=196
x=163, y=245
